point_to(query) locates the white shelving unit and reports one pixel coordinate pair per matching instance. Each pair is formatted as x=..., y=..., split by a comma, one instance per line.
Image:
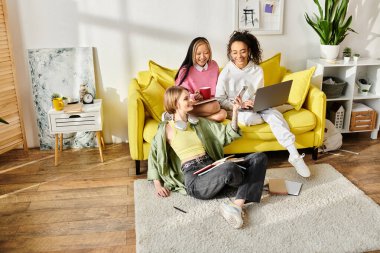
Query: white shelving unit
x=351, y=72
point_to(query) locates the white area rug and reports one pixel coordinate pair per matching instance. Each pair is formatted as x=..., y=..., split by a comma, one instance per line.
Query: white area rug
x=330, y=215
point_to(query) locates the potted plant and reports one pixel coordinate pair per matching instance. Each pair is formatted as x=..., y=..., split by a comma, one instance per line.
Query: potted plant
x=347, y=54
x=65, y=100
x=364, y=86
x=53, y=96
x=331, y=26
x=356, y=57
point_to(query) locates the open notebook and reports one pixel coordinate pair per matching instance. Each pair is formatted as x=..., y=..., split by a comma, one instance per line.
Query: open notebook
x=284, y=187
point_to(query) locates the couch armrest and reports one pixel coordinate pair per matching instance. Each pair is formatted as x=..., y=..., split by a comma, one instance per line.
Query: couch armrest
x=136, y=121
x=316, y=103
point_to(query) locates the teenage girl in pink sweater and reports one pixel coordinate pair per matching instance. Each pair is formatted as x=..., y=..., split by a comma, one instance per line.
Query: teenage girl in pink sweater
x=199, y=70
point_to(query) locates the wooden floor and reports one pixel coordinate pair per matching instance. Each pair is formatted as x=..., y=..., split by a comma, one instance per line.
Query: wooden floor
x=83, y=205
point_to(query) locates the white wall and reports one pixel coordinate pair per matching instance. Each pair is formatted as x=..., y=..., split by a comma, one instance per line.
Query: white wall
x=127, y=34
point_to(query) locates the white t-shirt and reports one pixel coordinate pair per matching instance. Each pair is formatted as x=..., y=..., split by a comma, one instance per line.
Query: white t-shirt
x=232, y=79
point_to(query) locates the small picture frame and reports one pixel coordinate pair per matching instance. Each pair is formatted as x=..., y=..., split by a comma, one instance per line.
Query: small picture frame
x=259, y=16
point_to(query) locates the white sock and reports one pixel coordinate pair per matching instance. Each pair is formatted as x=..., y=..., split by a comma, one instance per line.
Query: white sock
x=293, y=151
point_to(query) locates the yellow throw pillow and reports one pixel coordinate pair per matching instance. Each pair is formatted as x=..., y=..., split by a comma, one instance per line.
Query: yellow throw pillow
x=162, y=75
x=153, y=99
x=272, y=70
x=300, y=86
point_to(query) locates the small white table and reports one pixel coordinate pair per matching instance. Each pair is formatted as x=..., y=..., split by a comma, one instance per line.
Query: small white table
x=90, y=119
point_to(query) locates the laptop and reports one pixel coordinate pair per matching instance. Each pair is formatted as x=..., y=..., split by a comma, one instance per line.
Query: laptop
x=271, y=96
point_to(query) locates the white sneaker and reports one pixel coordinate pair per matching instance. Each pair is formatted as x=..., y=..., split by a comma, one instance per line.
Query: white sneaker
x=300, y=166
x=166, y=116
x=232, y=213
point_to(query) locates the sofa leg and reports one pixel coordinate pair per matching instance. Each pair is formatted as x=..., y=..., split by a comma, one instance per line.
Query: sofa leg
x=137, y=162
x=315, y=154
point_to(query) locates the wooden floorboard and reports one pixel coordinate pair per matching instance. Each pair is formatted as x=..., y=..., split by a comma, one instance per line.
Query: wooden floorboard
x=83, y=205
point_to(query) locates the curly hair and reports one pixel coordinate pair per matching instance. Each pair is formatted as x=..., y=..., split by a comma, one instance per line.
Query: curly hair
x=252, y=43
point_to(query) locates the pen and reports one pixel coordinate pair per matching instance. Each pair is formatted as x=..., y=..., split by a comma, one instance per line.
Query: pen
x=179, y=209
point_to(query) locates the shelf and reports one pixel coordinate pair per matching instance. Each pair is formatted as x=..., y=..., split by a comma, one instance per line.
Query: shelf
x=340, y=63
x=350, y=72
x=342, y=98
x=369, y=96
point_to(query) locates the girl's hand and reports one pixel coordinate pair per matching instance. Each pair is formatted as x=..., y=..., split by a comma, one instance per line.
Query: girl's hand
x=198, y=96
x=160, y=190
x=247, y=104
x=236, y=104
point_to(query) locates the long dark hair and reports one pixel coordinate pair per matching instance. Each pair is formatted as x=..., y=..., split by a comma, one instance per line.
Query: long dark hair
x=190, y=56
x=251, y=41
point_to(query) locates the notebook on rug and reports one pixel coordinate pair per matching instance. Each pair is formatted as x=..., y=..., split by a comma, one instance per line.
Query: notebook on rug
x=284, y=187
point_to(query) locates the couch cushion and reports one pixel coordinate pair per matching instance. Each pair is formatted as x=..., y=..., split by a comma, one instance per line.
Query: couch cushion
x=150, y=129
x=153, y=99
x=273, y=72
x=300, y=86
x=299, y=122
x=161, y=74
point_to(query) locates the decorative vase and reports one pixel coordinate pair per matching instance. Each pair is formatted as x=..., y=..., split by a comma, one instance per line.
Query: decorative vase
x=329, y=52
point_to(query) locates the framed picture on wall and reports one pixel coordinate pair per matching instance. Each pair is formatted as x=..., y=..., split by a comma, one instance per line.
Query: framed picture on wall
x=259, y=16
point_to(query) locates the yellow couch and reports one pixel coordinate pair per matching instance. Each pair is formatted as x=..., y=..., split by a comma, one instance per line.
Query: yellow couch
x=145, y=105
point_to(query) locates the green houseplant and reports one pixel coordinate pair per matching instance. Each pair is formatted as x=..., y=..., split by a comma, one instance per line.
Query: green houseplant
x=356, y=57
x=347, y=54
x=331, y=25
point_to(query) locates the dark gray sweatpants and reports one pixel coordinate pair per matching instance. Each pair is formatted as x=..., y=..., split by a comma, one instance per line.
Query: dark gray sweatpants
x=249, y=181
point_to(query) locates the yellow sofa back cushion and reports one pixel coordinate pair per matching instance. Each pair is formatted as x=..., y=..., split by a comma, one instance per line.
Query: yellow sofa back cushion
x=300, y=86
x=273, y=72
x=163, y=75
x=153, y=99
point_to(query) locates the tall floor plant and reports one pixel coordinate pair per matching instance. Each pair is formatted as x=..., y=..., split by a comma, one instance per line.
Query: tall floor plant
x=331, y=24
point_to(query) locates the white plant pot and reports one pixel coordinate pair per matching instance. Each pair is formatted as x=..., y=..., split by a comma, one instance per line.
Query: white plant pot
x=356, y=58
x=329, y=52
x=346, y=59
x=364, y=89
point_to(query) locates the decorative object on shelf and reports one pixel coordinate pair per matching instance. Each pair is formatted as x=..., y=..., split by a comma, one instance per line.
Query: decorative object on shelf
x=65, y=101
x=337, y=115
x=331, y=26
x=363, y=117
x=53, y=96
x=3, y=121
x=82, y=90
x=88, y=98
x=333, y=87
x=363, y=86
x=347, y=54
x=356, y=57
x=58, y=104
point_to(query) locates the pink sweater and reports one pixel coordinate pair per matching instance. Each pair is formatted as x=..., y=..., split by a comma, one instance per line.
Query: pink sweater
x=197, y=79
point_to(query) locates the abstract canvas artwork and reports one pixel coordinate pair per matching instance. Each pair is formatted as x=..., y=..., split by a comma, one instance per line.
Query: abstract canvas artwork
x=62, y=71
x=260, y=16
x=249, y=14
